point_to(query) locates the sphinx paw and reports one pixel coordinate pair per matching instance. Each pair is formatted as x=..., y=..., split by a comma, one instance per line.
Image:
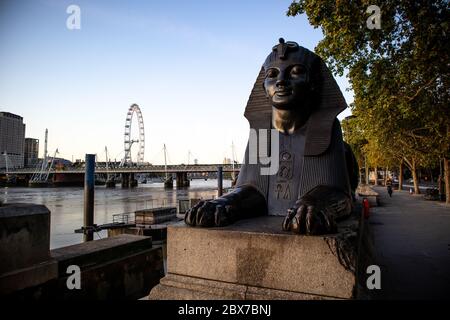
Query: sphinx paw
x=307, y=219
x=209, y=214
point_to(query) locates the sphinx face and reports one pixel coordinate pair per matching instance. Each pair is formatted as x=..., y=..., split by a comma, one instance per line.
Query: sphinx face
x=287, y=85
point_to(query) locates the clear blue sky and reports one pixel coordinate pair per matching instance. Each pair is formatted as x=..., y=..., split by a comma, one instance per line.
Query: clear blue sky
x=189, y=65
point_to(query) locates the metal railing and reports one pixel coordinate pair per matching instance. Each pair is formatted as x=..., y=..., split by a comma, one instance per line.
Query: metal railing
x=124, y=218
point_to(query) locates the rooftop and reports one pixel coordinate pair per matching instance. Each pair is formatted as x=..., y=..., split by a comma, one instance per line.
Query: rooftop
x=10, y=115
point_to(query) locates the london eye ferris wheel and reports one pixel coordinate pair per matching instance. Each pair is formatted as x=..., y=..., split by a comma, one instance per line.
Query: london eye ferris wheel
x=129, y=140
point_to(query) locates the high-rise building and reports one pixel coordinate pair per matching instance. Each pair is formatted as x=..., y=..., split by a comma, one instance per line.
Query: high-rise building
x=31, y=152
x=12, y=139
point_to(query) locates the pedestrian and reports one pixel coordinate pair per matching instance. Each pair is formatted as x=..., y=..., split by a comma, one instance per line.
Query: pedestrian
x=389, y=190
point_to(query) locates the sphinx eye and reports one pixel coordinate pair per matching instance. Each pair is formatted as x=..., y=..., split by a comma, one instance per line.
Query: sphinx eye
x=298, y=70
x=271, y=73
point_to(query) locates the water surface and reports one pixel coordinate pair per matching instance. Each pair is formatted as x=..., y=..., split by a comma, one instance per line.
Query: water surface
x=66, y=204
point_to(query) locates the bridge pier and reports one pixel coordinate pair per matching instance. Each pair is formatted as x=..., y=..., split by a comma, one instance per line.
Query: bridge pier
x=128, y=180
x=125, y=180
x=182, y=180
x=133, y=181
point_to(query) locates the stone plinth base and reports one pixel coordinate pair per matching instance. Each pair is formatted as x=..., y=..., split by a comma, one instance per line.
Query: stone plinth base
x=255, y=259
x=176, y=287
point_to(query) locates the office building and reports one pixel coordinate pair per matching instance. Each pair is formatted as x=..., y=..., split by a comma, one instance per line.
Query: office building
x=31, y=152
x=12, y=139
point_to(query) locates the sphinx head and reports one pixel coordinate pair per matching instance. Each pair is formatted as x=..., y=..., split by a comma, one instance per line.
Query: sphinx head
x=292, y=78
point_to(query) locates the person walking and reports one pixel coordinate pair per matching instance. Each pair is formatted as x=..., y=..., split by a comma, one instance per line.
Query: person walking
x=389, y=190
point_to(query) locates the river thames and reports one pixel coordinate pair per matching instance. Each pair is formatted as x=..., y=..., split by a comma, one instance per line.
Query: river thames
x=66, y=204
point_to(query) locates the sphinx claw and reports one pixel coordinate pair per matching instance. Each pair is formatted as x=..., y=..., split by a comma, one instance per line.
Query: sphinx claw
x=205, y=215
x=219, y=216
x=300, y=227
x=287, y=220
x=190, y=216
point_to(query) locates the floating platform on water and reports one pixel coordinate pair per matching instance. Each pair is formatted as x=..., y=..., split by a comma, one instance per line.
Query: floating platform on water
x=154, y=215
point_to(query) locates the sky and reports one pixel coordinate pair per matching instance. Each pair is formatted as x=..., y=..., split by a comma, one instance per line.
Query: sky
x=189, y=65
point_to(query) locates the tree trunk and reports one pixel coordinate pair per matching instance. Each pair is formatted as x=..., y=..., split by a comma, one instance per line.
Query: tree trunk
x=367, y=170
x=415, y=180
x=385, y=175
x=376, y=176
x=360, y=175
x=400, y=176
x=447, y=180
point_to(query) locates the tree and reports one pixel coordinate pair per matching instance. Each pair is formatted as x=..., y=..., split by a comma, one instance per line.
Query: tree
x=369, y=152
x=399, y=73
x=354, y=136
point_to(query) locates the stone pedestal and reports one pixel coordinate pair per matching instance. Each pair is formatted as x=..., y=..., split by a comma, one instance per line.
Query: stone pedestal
x=255, y=259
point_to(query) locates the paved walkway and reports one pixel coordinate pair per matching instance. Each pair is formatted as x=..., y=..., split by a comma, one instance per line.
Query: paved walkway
x=412, y=241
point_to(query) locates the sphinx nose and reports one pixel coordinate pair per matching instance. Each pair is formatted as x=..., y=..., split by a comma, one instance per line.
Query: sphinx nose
x=280, y=83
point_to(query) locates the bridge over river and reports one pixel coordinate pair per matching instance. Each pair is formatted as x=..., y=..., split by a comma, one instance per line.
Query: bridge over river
x=191, y=168
x=75, y=175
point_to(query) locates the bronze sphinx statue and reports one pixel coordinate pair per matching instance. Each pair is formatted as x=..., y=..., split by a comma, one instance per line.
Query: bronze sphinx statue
x=295, y=94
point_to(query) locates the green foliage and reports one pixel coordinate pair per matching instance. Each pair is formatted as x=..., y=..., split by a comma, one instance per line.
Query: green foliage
x=399, y=74
x=354, y=136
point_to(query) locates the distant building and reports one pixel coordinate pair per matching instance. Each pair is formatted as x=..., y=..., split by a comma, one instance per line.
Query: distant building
x=196, y=161
x=31, y=154
x=12, y=139
x=59, y=163
x=227, y=161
